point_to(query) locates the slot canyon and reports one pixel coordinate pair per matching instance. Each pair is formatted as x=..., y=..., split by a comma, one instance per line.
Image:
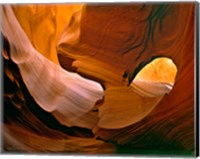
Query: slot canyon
x=98, y=78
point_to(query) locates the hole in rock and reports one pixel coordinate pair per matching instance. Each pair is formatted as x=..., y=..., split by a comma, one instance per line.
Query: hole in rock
x=125, y=107
x=156, y=78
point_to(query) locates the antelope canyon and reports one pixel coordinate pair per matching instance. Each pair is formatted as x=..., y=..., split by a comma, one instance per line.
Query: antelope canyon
x=86, y=78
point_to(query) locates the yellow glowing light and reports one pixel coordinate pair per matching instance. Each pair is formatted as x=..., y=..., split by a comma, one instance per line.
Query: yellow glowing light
x=43, y=24
x=161, y=70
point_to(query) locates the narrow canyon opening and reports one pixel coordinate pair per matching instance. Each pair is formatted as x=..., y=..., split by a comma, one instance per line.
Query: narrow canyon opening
x=155, y=78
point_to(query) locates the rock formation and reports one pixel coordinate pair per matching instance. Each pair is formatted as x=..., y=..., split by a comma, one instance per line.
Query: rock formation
x=98, y=78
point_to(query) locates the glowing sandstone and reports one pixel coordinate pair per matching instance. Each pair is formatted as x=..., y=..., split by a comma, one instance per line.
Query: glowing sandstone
x=123, y=38
x=53, y=88
x=104, y=51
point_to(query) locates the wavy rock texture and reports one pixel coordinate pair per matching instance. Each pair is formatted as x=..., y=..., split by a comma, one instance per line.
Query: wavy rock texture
x=112, y=104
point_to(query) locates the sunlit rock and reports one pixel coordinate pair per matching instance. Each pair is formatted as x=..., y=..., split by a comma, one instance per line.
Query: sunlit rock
x=53, y=88
x=128, y=78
